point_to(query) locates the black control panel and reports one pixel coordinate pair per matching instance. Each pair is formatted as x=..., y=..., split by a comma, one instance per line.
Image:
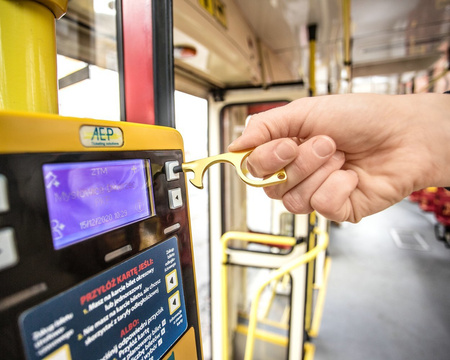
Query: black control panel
x=95, y=251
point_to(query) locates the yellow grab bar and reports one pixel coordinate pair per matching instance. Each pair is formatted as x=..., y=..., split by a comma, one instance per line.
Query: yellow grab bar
x=277, y=274
x=318, y=310
x=247, y=237
x=309, y=351
x=254, y=237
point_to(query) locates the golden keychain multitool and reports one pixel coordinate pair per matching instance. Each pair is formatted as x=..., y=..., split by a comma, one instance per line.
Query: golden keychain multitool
x=237, y=159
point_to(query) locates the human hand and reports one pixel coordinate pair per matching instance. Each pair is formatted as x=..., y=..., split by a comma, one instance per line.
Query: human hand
x=349, y=156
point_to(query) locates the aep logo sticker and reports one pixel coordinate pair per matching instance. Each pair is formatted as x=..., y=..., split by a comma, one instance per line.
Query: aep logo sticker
x=101, y=136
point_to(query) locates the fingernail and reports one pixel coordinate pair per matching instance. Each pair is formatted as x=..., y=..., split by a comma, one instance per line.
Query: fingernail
x=323, y=147
x=233, y=143
x=286, y=150
x=338, y=155
x=353, y=172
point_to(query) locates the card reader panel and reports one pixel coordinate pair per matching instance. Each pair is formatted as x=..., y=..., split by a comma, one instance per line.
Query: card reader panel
x=36, y=273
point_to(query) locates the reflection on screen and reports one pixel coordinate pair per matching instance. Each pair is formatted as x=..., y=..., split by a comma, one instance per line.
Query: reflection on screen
x=89, y=198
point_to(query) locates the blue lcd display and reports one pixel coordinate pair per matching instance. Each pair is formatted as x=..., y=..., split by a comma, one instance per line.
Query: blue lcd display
x=85, y=199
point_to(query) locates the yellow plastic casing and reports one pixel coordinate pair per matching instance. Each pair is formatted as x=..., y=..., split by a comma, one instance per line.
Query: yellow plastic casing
x=22, y=132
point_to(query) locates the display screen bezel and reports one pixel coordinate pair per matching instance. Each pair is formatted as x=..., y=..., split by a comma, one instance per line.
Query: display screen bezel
x=74, y=237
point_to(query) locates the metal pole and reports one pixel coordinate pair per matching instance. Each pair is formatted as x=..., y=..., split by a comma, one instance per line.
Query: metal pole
x=312, y=29
x=28, y=80
x=346, y=13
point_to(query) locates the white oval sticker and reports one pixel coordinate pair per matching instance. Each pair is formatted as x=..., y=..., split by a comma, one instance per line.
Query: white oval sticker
x=101, y=136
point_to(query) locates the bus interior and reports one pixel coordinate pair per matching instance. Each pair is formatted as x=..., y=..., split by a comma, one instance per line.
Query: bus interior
x=271, y=284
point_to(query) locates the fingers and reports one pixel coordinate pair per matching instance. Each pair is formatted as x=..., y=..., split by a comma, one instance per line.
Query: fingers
x=315, y=179
x=298, y=198
x=281, y=122
x=333, y=198
x=271, y=157
x=302, y=162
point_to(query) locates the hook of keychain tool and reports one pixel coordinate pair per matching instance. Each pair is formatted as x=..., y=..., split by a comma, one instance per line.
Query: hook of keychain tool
x=237, y=159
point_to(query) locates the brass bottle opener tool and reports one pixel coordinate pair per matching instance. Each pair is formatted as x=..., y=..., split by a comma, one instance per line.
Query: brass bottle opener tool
x=237, y=159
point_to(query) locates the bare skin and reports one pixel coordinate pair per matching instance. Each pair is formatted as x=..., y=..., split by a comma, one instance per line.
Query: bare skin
x=350, y=156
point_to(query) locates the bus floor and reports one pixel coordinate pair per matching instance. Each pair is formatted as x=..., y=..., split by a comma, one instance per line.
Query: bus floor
x=384, y=301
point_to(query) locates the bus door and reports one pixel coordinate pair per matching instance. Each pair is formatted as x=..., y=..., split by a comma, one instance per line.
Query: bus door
x=258, y=236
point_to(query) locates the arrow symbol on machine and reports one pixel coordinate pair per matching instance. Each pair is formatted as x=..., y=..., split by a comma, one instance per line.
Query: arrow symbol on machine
x=174, y=302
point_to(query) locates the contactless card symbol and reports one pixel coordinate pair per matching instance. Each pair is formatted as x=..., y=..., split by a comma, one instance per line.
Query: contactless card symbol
x=174, y=302
x=51, y=180
x=171, y=281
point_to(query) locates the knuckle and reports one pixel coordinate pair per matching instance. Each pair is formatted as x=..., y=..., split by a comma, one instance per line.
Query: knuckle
x=255, y=166
x=325, y=205
x=261, y=165
x=295, y=203
x=320, y=201
x=302, y=169
x=273, y=192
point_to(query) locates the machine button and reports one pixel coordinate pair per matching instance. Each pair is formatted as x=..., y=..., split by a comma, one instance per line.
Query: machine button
x=4, y=203
x=174, y=302
x=170, y=174
x=116, y=253
x=171, y=281
x=8, y=252
x=22, y=296
x=175, y=198
x=172, y=228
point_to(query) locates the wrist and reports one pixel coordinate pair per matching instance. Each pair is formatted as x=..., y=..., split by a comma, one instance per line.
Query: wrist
x=435, y=135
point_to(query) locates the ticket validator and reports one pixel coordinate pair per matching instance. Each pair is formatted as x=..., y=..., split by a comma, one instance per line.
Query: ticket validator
x=96, y=257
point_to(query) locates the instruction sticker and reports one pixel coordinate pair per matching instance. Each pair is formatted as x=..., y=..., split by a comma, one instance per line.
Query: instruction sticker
x=133, y=311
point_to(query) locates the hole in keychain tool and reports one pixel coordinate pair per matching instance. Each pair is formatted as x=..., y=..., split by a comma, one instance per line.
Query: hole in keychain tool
x=237, y=159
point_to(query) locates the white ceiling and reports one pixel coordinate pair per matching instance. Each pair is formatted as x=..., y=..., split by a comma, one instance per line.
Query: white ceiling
x=382, y=30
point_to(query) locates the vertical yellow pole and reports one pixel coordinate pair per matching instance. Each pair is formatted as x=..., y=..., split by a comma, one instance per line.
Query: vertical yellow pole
x=28, y=80
x=310, y=275
x=346, y=13
x=312, y=29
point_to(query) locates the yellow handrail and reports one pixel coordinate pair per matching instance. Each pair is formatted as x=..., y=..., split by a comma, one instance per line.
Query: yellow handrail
x=318, y=310
x=254, y=237
x=272, y=298
x=310, y=273
x=247, y=237
x=309, y=351
x=276, y=275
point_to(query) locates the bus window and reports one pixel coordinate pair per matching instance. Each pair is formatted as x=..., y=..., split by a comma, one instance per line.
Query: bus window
x=87, y=61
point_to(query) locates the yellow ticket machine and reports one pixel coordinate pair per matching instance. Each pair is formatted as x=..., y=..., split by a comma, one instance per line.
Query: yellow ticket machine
x=96, y=256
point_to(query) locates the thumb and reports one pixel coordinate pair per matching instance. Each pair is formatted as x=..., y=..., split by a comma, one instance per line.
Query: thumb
x=271, y=157
x=282, y=122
